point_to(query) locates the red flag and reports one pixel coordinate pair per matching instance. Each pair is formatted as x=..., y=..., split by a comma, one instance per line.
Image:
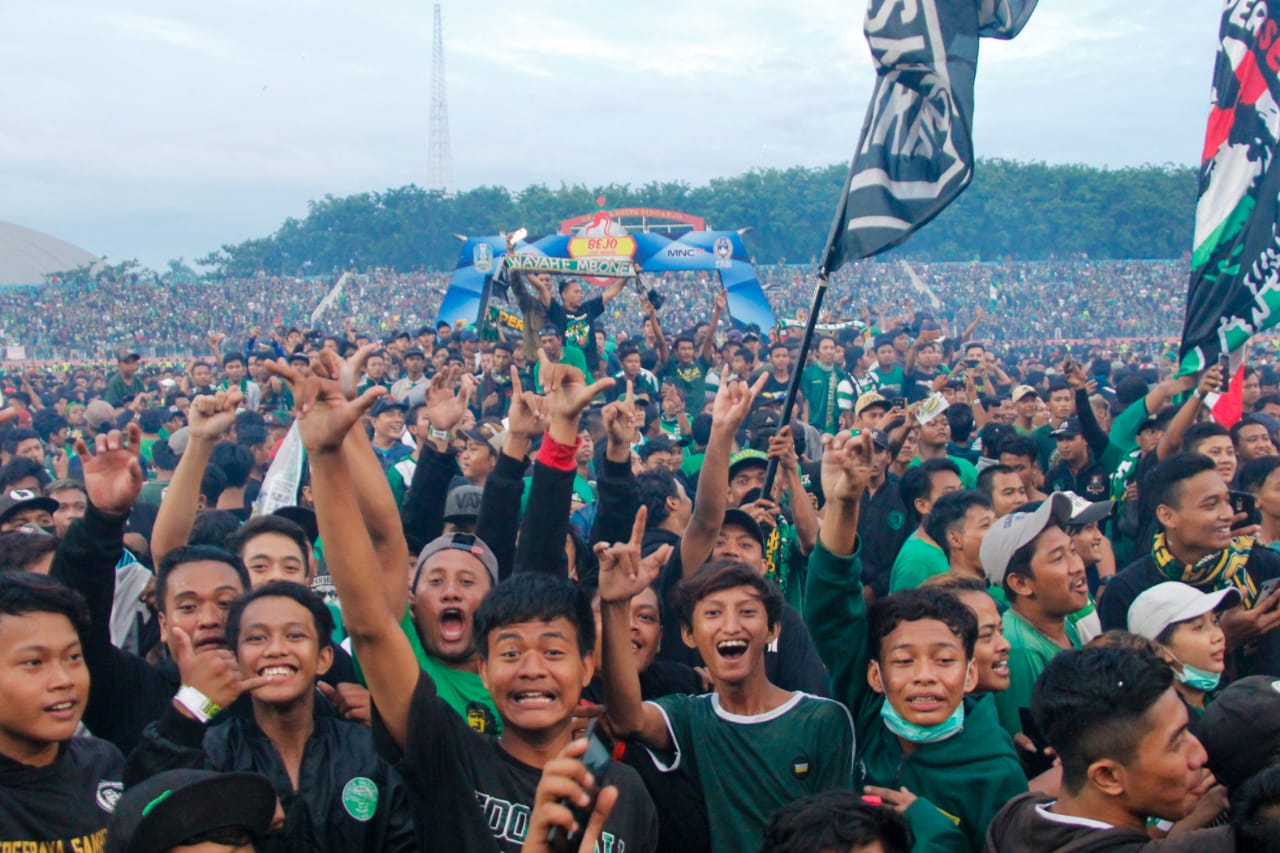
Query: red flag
x=1229, y=407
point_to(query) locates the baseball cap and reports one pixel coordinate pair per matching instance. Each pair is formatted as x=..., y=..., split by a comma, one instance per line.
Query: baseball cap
x=869, y=399
x=299, y=358
x=550, y=329
x=745, y=458
x=1168, y=603
x=127, y=355
x=657, y=444
x=1022, y=391
x=468, y=335
x=1016, y=529
x=485, y=433
x=413, y=351
x=879, y=438
x=386, y=404
x=98, y=413
x=1240, y=729
x=740, y=518
x=164, y=810
x=468, y=542
x=1085, y=511
x=17, y=499
x=763, y=419
x=463, y=503
x=178, y=440
x=1070, y=428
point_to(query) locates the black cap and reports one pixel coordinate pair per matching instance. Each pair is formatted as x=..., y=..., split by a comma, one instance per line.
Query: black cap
x=386, y=404
x=550, y=329
x=1240, y=729
x=17, y=499
x=412, y=351
x=164, y=810
x=1070, y=429
x=739, y=518
x=657, y=444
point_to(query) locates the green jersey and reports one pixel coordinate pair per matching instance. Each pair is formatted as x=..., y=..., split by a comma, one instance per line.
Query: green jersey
x=1029, y=651
x=571, y=356
x=691, y=379
x=819, y=385
x=461, y=690
x=917, y=561
x=749, y=767
x=968, y=473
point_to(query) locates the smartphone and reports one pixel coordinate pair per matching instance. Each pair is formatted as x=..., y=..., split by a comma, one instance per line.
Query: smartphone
x=972, y=362
x=1038, y=762
x=597, y=758
x=1224, y=365
x=1244, y=502
x=898, y=402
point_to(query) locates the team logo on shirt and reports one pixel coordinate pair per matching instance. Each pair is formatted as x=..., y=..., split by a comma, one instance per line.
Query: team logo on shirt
x=108, y=794
x=360, y=798
x=800, y=767
x=1097, y=484
x=479, y=717
x=897, y=518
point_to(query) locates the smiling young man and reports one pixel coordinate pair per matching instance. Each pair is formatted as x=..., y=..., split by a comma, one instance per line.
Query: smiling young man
x=534, y=635
x=790, y=745
x=1120, y=731
x=336, y=793
x=1032, y=557
x=904, y=670
x=57, y=791
x=1197, y=546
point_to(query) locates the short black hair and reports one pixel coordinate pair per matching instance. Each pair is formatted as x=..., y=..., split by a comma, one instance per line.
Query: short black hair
x=151, y=420
x=16, y=436
x=46, y=422
x=261, y=524
x=235, y=461
x=917, y=605
x=19, y=549
x=835, y=820
x=986, y=479
x=717, y=575
x=653, y=488
x=231, y=358
x=1019, y=445
x=320, y=614
x=24, y=592
x=194, y=554
x=1197, y=434
x=535, y=597
x=948, y=514
x=1163, y=486
x=212, y=484
x=917, y=482
x=1255, y=820
x=1256, y=472
x=251, y=436
x=960, y=419
x=19, y=468
x=1092, y=704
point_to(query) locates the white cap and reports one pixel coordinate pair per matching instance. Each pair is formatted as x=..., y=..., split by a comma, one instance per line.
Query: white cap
x=1016, y=529
x=1084, y=511
x=1022, y=391
x=1171, y=602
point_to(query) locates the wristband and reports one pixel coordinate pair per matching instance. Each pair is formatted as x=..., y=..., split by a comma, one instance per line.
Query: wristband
x=438, y=434
x=1196, y=393
x=201, y=706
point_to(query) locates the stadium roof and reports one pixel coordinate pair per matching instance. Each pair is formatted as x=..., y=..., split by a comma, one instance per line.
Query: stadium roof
x=26, y=255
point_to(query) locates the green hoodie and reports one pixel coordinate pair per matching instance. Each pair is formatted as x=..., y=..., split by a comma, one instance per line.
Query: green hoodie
x=967, y=778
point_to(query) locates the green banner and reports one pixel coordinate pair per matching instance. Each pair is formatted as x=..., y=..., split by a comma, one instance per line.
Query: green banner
x=602, y=267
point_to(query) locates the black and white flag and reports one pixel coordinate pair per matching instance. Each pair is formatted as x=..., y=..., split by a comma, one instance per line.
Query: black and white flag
x=916, y=151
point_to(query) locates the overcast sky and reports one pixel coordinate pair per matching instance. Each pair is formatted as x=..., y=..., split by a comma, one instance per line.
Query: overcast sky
x=159, y=130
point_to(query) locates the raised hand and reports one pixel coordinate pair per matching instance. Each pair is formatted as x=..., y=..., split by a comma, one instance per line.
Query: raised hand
x=349, y=371
x=846, y=466
x=445, y=406
x=527, y=415
x=733, y=402
x=1074, y=373
x=566, y=389
x=211, y=416
x=620, y=419
x=1210, y=381
x=324, y=414
x=214, y=672
x=623, y=572
x=113, y=476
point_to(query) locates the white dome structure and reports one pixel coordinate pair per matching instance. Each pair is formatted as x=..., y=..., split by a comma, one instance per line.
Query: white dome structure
x=26, y=256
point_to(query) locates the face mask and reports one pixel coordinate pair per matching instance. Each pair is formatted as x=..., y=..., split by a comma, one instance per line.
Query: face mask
x=895, y=723
x=1198, y=678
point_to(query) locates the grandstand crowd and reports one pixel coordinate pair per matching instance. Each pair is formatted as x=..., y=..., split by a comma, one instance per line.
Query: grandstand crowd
x=1002, y=581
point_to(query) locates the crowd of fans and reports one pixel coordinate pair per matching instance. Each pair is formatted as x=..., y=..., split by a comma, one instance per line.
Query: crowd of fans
x=386, y=585
x=1056, y=300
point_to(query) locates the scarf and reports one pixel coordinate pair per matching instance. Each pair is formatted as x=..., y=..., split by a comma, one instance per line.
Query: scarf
x=1216, y=571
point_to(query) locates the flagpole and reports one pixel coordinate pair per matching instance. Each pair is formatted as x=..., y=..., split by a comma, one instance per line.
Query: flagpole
x=819, y=293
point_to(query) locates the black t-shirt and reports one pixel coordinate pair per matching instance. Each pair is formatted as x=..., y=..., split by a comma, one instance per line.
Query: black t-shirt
x=882, y=530
x=773, y=389
x=918, y=385
x=64, y=806
x=576, y=325
x=472, y=795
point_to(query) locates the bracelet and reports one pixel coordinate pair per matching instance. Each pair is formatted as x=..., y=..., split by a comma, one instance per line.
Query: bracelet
x=1196, y=393
x=201, y=706
x=439, y=434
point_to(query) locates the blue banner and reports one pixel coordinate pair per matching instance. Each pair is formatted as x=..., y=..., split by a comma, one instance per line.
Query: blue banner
x=719, y=252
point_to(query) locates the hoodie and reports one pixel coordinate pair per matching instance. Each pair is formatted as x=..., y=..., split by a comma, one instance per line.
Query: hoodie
x=966, y=778
x=1026, y=824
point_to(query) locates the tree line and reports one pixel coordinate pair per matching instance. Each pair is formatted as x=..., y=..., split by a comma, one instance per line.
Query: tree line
x=1023, y=211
